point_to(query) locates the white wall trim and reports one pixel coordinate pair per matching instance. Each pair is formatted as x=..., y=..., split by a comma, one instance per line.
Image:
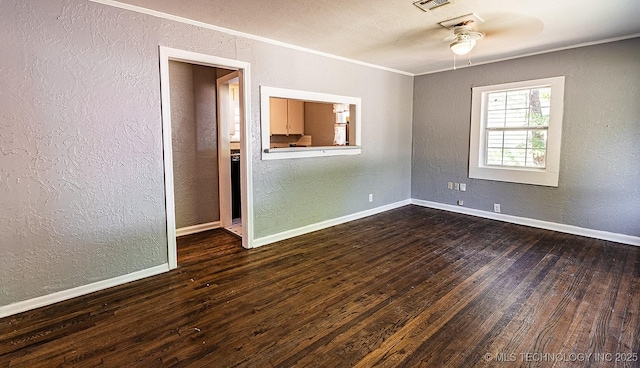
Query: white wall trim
x=327, y=223
x=167, y=151
x=266, y=93
x=246, y=161
x=554, y=226
x=246, y=187
x=478, y=166
x=224, y=122
x=302, y=152
x=158, y=14
x=41, y=301
x=188, y=230
x=59, y=296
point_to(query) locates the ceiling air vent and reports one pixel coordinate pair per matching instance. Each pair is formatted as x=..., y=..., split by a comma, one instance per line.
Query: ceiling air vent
x=427, y=5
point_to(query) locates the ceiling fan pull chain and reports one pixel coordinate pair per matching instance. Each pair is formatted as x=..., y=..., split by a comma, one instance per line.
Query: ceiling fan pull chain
x=454, y=61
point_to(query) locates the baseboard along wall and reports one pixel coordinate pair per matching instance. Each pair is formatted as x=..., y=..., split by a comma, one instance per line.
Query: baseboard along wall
x=325, y=224
x=563, y=228
x=59, y=296
x=188, y=230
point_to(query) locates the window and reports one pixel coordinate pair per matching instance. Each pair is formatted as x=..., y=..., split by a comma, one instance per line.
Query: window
x=298, y=124
x=516, y=131
x=234, y=91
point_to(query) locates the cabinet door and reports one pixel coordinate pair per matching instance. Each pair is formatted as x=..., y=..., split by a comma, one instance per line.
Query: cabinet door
x=296, y=117
x=278, y=115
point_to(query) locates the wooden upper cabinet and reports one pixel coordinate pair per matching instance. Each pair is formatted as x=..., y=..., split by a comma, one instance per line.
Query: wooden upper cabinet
x=278, y=115
x=295, y=113
x=286, y=116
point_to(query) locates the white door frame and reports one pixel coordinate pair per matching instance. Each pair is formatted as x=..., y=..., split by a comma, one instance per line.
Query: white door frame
x=246, y=181
x=224, y=145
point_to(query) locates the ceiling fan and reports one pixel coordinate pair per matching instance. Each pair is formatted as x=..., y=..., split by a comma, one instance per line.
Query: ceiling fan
x=464, y=37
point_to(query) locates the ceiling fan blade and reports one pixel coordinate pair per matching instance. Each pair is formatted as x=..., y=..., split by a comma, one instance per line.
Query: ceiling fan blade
x=507, y=26
x=450, y=38
x=420, y=37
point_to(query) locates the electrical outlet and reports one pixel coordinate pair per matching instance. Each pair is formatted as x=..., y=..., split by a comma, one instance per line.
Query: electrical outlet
x=463, y=187
x=456, y=186
x=370, y=197
x=460, y=203
x=496, y=207
x=449, y=185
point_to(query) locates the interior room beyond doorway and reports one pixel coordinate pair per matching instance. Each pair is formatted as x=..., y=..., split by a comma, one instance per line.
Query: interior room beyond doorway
x=205, y=115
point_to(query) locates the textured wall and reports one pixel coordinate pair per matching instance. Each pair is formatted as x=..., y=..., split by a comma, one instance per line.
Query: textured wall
x=81, y=170
x=600, y=159
x=195, y=147
x=292, y=193
x=81, y=195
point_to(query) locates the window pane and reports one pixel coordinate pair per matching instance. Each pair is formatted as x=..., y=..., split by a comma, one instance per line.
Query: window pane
x=495, y=139
x=494, y=156
x=495, y=119
x=545, y=112
x=539, y=118
x=537, y=139
x=537, y=158
x=517, y=117
x=520, y=148
x=545, y=96
x=515, y=139
x=518, y=99
x=496, y=101
x=514, y=157
x=537, y=148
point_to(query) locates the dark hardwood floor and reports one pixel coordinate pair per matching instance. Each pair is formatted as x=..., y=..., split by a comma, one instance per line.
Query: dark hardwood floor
x=412, y=287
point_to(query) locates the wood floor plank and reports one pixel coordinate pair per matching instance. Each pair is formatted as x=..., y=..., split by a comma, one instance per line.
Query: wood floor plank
x=393, y=317
x=411, y=287
x=486, y=318
x=395, y=349
x=518, y=324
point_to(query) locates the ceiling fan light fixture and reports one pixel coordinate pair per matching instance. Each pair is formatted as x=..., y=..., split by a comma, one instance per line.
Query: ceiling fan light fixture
x=462, y=45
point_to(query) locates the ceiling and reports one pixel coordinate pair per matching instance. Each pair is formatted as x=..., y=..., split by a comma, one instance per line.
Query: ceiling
x=396, y=34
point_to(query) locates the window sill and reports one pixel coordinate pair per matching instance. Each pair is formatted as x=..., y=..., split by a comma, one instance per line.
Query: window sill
x=544, y=177
x=301, y=152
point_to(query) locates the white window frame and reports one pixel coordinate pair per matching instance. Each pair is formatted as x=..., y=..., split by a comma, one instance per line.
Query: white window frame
x=547, y=176
x=267, y=92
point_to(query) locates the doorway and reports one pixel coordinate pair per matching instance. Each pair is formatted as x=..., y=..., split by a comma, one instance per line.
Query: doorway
x=230, y=134
x=242, y=73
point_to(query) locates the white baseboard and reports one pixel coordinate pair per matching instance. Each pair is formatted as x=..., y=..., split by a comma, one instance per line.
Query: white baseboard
x=325, y=224
x=569, y=229
x=197, y=228
x=41, y=301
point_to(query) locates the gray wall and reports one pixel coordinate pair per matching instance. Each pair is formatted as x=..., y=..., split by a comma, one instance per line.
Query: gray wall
x=195, y=143
x=81, y=168
x=298, y=192
x=600, y=158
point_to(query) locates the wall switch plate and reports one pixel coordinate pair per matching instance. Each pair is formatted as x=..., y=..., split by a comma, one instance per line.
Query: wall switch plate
x=463, y=187
x=460, y=202
x=449, y=185
x=496, y=207
x=370, y=197
x=456, y=186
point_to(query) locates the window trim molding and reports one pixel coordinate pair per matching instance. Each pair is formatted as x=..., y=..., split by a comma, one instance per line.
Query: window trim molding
x=300, y=152
x=536, y=176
